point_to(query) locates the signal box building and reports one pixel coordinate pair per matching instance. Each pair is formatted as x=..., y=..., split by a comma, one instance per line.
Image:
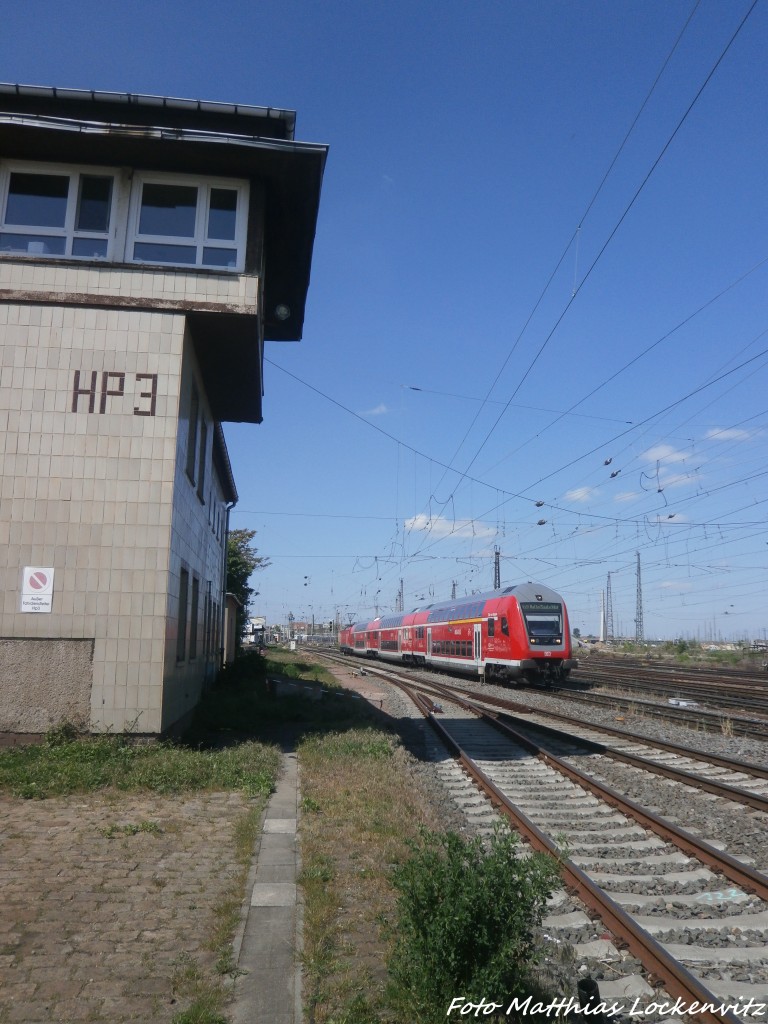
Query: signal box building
x=148, y=248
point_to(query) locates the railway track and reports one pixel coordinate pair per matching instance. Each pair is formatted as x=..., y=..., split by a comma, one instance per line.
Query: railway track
x=684, y=673
x=732, y=779
x=673, y=909
x=743, y=691
x=684, y=712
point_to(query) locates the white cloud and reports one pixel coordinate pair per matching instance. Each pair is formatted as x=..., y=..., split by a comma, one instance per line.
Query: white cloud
x=379, y=410
x=441, y=527
x=581, y=494
x=729, y=434
x=664, y=453
x=677, y=585
x=626, y=496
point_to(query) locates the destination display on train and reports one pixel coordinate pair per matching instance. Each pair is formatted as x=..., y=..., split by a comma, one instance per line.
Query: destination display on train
x=541, y=606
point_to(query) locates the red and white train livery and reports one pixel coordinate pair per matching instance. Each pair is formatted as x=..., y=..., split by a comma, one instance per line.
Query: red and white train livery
x=518, y=634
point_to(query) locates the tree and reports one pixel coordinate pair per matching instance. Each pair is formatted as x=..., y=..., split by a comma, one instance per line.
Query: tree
x=242, y=562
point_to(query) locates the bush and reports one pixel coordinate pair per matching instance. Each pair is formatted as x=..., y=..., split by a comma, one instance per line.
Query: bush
x=246, y=668
x=466, y=919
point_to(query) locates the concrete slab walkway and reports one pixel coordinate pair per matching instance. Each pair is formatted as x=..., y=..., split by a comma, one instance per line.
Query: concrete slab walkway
x=268, y=943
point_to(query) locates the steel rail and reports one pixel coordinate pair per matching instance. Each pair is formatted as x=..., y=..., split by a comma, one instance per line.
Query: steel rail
x=716, y=690
x=722, y=789
x=733, y=869
x=690, y=752
x=725, y=790
x=712, y=720
x=677, y=980
x=757, y=771
x=685, y=673
x=757, y=728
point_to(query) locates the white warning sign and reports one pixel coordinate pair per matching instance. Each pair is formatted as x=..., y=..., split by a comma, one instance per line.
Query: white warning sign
x=37, y=590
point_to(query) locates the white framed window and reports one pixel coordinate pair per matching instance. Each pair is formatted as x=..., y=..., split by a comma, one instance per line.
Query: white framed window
x=94, y=213
x=182, y=220
x=50, y=210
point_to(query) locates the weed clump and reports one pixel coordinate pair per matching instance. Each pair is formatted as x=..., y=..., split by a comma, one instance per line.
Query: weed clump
x=467, y=914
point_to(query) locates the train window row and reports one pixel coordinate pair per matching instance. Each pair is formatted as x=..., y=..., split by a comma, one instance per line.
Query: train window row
x=472, y=610
x=419, y=633
x=453, y=648
x=419, y=630
x=392, y=622
x=504, y=626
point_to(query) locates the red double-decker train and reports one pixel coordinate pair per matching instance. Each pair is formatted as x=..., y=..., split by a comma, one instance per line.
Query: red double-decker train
x=519, y=634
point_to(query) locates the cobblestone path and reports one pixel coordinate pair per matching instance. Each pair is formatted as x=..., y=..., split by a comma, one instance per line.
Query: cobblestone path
x=98, y=922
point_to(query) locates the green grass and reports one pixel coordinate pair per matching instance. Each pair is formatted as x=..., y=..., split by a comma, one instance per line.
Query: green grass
x=110, y=762
x=240, y=707
x=92, y=764
x=244, y=700
x=206, y=998
x=358, y=802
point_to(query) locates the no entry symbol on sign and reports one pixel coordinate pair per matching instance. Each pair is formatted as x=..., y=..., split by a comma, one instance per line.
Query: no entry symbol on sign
x=37, y=589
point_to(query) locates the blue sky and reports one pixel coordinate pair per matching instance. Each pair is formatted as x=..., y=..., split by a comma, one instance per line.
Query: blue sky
x=539, y=276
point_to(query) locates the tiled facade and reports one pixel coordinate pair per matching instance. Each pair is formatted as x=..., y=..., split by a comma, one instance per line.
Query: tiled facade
x=94, y=485
x=114, y=379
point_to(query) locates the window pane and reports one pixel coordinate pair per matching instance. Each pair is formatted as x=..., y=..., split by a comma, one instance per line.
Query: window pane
x=93, y=204
x=90, y=248
x=194, y=414
x=39, y=199
x=222, y=213
x=194, y=617
x=219, y=257
x=159, y=253
x=168, y=210
x=181, y=636
x=202, y=459
x=32, y=245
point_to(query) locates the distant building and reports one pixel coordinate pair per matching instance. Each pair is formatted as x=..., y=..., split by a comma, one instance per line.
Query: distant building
x=256, y=629
x=148, y=248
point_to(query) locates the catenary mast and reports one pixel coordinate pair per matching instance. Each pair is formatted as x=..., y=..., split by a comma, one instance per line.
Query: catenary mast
x=608, y=611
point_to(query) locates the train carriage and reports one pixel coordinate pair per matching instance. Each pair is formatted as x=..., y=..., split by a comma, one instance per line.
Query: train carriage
x=517, y=634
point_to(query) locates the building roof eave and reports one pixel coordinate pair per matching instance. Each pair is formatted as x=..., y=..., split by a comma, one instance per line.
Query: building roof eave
x=78, y=102
x=230, y=356
x=218, y=143
x=223, y=466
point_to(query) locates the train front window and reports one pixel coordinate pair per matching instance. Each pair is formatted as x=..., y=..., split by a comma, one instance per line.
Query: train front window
x=544, y=622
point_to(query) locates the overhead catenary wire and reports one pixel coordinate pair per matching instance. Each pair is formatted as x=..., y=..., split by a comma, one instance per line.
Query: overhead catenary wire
x=509, y=496
x=611, y=235
x=567, y=248
x=576, y=511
